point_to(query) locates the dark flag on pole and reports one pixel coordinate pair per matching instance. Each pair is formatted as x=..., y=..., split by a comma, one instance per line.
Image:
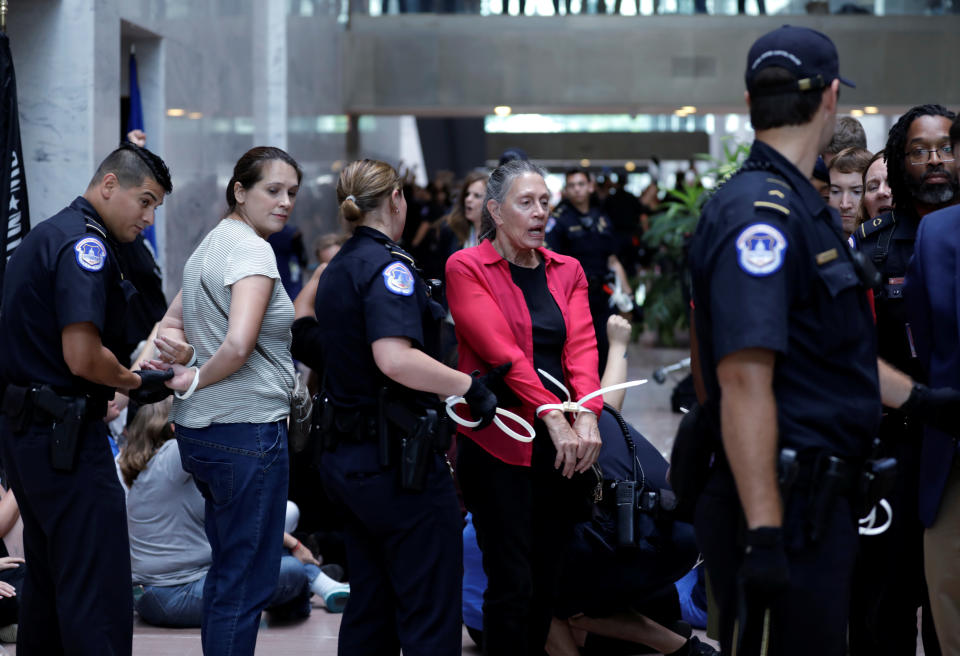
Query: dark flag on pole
x=135, y=122
x=14, y=214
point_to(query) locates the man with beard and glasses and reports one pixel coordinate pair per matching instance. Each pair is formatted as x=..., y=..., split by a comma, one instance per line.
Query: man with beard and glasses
x=931, y=294
x=888, y=584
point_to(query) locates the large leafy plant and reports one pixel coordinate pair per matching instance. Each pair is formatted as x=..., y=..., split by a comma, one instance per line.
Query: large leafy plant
x=666, y=308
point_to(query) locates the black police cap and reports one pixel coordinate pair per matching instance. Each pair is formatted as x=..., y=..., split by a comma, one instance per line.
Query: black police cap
x=809, y=55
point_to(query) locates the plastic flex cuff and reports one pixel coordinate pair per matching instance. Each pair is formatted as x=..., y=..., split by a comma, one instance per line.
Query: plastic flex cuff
x=576, y=407
x=457, y=400
x=192, y=388
x=867, y=523
x=193, y=356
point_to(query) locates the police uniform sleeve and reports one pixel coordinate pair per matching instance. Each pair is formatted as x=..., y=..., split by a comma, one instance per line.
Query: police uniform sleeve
x=83, y=275
x=391, y=308
x=250, y=257
x=555, y=234
x=749, y=287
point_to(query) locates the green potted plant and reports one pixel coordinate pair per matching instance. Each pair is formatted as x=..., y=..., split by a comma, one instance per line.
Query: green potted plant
x=666, y=306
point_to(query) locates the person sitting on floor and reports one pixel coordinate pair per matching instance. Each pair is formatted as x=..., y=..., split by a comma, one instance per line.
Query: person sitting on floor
x=169, y=551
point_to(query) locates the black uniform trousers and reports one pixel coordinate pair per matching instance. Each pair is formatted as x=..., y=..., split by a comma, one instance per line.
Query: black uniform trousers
x=524, y=517
x=405, y=553
x=889, y=582
x=77, y=597
x=810, y=617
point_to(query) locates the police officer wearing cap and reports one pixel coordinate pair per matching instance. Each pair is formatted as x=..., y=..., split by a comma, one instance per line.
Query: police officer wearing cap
x=62, y=327
x=580, y=228
x=382, y=429
x=788, y=357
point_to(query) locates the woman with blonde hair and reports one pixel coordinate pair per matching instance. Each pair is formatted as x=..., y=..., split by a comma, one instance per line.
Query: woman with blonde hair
x=382, y=456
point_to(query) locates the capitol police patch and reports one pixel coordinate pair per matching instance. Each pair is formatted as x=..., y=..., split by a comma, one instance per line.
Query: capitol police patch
x=760, y=247
x=91, y=253
x=398, y=279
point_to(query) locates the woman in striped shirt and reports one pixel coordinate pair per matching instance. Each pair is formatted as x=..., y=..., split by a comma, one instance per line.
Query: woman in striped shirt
x=231, y=409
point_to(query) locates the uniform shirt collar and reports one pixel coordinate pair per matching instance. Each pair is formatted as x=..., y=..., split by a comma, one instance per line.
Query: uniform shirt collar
x=800, y=183
x=81, y=204
x=84, y=206
x=373, y=233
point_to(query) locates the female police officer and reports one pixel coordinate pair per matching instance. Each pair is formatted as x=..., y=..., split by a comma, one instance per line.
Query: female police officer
x=382, y=446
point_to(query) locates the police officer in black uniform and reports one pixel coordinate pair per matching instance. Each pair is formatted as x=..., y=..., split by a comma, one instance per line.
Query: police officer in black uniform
x=788, y=356
x=889, y=584
x=62, y=329
x=580, y=228
x=383, y=431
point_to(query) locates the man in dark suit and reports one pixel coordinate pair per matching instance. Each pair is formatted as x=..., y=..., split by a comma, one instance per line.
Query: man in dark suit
x=933, y=303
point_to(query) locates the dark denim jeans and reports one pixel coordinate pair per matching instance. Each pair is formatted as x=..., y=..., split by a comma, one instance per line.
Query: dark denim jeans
x=182, y=605
x=241, y=471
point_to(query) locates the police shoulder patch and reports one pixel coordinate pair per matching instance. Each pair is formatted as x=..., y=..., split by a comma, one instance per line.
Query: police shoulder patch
x=91, y=253
x=551, y=224
x=398, y=279
x=760, y=249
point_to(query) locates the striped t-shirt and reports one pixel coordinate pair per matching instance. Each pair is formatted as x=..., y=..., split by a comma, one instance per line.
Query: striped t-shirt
x=257, y=392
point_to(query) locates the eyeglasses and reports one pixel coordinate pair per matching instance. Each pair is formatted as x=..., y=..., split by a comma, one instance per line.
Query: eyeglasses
x=917, y=156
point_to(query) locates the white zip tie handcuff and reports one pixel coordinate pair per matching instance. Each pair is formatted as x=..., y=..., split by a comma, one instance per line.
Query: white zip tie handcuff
x=523, y=423
x=575, y=407
x=867, y=523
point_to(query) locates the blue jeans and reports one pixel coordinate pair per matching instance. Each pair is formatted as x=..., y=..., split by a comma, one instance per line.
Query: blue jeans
x=241, y=470
x=182, y=605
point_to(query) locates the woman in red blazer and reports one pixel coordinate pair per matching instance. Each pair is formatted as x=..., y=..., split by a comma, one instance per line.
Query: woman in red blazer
x=514, y=301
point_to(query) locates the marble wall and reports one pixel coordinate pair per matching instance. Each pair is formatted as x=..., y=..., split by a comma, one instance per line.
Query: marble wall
x=217, y=77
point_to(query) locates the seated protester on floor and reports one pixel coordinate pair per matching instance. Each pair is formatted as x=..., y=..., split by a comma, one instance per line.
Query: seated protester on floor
x=692, y=590
x=606, y=585
x=169, y=551
x=12, y=570
x=604, y=589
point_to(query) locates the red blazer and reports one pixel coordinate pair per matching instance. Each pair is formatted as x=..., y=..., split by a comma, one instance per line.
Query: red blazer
x=493, y=326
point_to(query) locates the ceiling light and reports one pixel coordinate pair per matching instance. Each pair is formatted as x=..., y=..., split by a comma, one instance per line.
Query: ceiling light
x=630, y=167
x=176, y=111
x=870, y=109
x=502, y=110
x=856, y=112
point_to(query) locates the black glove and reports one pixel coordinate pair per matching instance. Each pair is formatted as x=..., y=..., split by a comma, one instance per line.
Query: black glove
x=938, y=407
x=765, y=571
x=152, y=389
x=480, y=398
x=494, y=381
